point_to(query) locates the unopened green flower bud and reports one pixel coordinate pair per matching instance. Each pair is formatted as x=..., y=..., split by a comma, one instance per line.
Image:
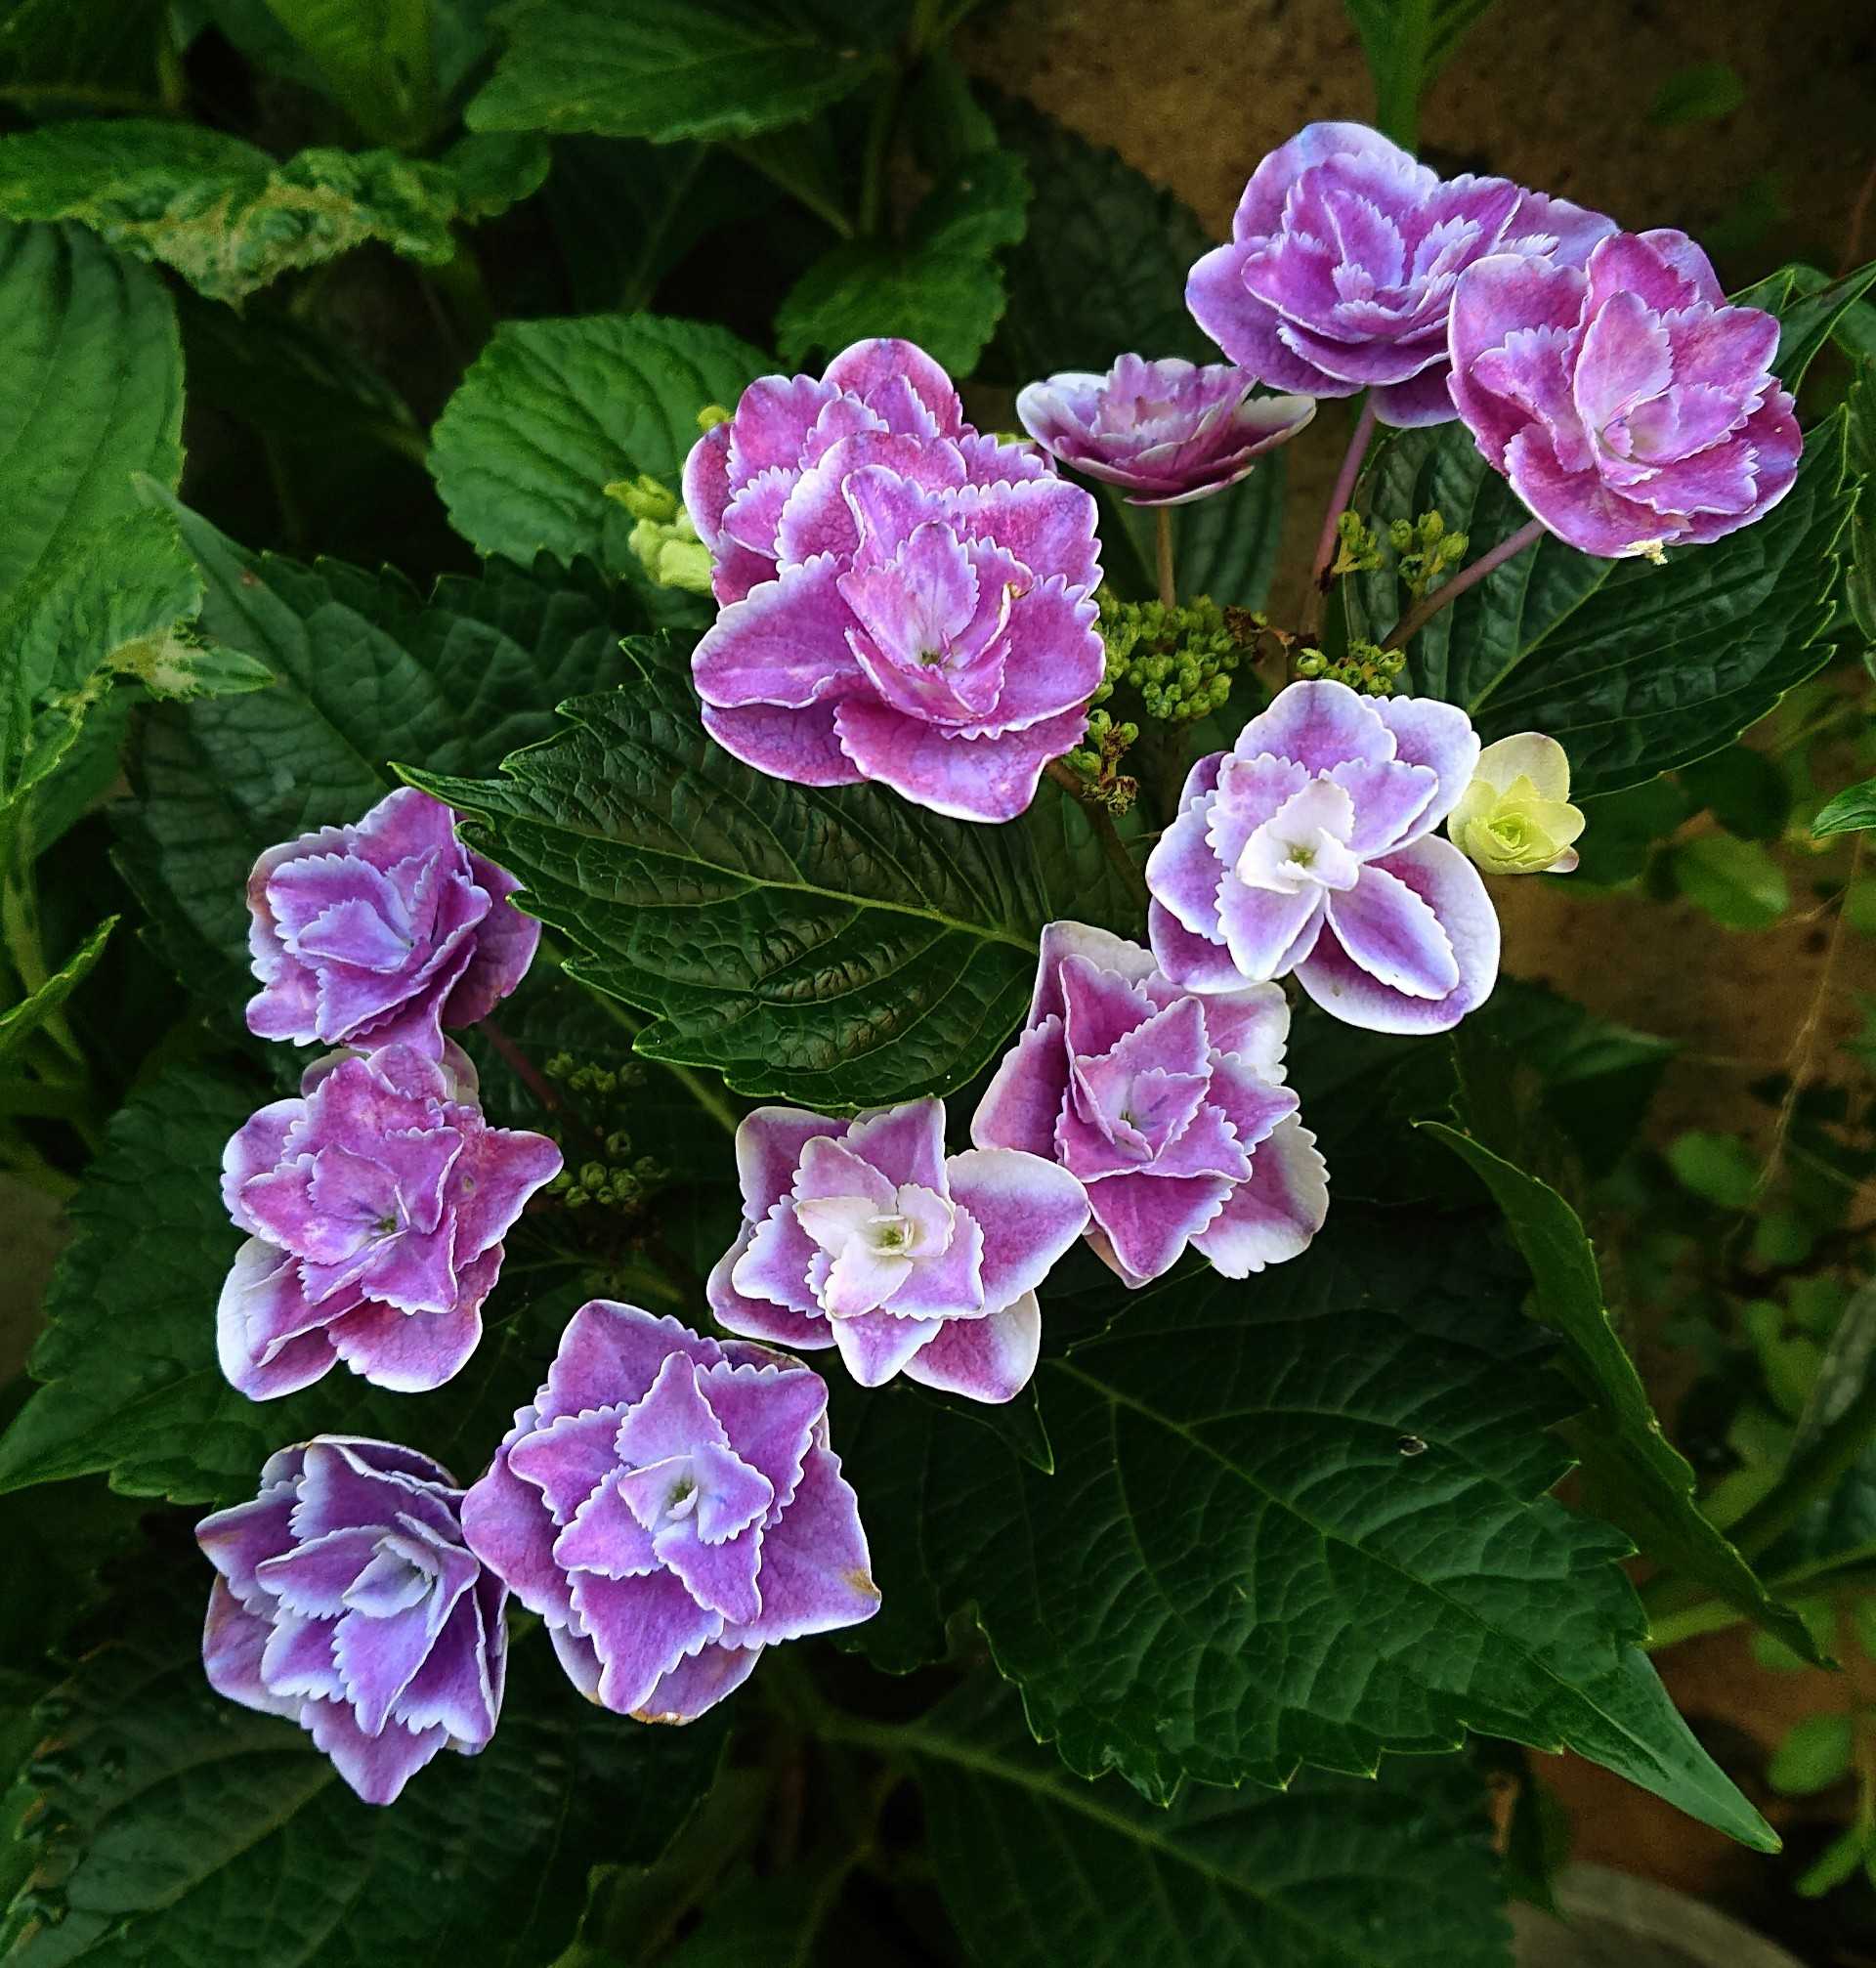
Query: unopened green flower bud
x=1312, y=662
x=645, y=498
x=1515, y=817
x=711, y=415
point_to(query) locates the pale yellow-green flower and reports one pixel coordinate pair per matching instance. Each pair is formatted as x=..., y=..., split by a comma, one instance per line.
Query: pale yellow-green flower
x=1515, y=817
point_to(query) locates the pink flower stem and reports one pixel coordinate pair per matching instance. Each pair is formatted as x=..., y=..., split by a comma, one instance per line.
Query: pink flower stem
x=1102, y=822
x=1338, y=498
x=522, y=1067
x=1162, y=546
x=1422, y=611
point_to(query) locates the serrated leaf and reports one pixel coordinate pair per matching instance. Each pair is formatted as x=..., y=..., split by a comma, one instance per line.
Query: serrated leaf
x=366, y=668
x=1851, y=811
x=552, y=412
x=663, y=68
x=194, y=1827
x=227, y=216
x=375, y=56
x=1860, y=576
x=130, y=1383
x=91, y=392
x=1039, y=1867
x=1634, y=1474
x=942, y=288
x=1407, y=43
x=17, y=1022
x=840, y=948
x=1104, y=265
x=1811, y=306
x=1298, y=1520
x=1633, y=669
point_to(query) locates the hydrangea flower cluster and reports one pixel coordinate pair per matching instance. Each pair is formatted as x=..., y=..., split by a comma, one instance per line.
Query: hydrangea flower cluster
x=376, y=1204
x=907, y=600
x=866, y=1236
x=1310, y=847
x=1169, y=1107
x=347, y=1600
x=1343, y=257
x=1167, y=432
x=670, y=1506
x=1627, y=406
x=382, y=933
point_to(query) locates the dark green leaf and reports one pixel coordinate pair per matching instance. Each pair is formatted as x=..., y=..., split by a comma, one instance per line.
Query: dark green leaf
x=1039, y=1867
x=942, y=288
x=1301, y=1521
x=1743, y=790
x=1860, y=580
x=1635, y=1477
x=552, y=412
x=227, y=217
x=1633, y=668
x=1851, y=811
x=1809, y=305
x=1625, y=827
x=1700, y=93
x=131, y=1384
x=1104, y=263
x=17, y=1022
x=191, y=1826
x=375, y=56
x=366, y=668
x=1814, y=1753
x=91, y=391
x=838, y=948
x=56, y=57
x=1408, y=42
x=663, y=68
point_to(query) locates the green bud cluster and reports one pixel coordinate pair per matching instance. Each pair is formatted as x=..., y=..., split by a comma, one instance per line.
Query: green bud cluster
x=615, y=1179
x=1181, y=661
x=663, y=543
x=1425, y=551
x=1097, y=759
x=1358, y=546
x=1367, y=668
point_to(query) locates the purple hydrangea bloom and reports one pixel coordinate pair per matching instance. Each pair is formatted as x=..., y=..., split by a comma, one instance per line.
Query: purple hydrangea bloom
x=382, y=933
x=670, y=1506
x=1309, y=846
x=1630, y=408
x=1170, y=1108
x=909, y=601
x=376, y=1204
x=863, y=1235
x=349, y=1602
x=1167, y=431
x=1342, y=260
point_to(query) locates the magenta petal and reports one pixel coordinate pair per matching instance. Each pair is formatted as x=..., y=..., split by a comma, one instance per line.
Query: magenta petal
x=235, y=1541
x=313, y=1578
x=1441, y=877
x=868, y=366
x=1383, y=926
x=297, y=1661
x=1578, y=506
x=786, y=644
x=1183, y=873
x=1021, y=1105
x=770, y=1416
x=989, y=778
x=1267, y=933
x=816, y=1575
x=234, y=1642
x=606, y=1537
x=1191, y=962
x=707, y=483
x=508, y=1525
x=1031, y=1212
x=672, y=1419
x=1495, y=299
x=775, y=1261
x=611, y=1353
x=1318, y=725
x=802, y=746
x=411, y=1352
x=641, y=1628
x=456, y=1689
x=875, y=1345
x=568, y=1459
x=991, y=1359
x=1046, y=523
x=1146, y=1220
x=376, y=1767
x=904, y=1144
x=773, y=417
x=768, y=1149
x=270, y=1342
x=696, y=1686
x=721, y=1578
x=950, y=1284
x=1439, y=737
x=1273, y=1215
x=1418, y=402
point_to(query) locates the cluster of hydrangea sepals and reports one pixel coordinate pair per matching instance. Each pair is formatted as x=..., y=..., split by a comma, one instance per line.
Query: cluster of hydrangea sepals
x=906, y=600
x=669, y=1505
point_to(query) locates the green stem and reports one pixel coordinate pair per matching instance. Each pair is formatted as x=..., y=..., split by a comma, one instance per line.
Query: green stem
x=882, y=123
x=1163, y=556
x=699, y=1089
x=1105, y=832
